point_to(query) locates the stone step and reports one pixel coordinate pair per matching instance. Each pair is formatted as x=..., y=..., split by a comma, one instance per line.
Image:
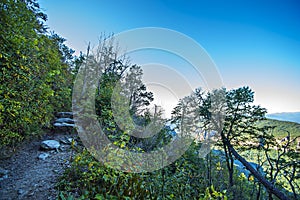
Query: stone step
x=65, y=120
x=63, y=125
x=64, y=114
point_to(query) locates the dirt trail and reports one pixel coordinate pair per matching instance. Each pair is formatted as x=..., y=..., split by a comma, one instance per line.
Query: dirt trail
x=30, y=177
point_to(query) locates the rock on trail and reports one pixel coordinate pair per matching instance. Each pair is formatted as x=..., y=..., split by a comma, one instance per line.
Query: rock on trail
x=32, y=173
x=50, y=145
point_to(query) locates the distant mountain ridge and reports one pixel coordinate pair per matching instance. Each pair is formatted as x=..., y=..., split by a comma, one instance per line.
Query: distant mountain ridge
x=285, y=116
x=282, y=128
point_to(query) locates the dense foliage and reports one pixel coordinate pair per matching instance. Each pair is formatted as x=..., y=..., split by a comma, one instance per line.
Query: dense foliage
x=36, y=75
x=214, y=176
x=35, y=71
x=192, y=176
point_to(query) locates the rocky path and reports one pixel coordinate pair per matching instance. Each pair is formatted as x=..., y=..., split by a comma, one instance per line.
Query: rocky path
x=32, y=172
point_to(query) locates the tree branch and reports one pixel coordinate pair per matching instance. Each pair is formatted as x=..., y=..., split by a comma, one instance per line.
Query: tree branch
x=269, y=186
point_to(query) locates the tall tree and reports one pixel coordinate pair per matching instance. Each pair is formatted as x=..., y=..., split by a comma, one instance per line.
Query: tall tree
x=239, y=131
x=231, y=117
x=135, y=90
x=240, y=122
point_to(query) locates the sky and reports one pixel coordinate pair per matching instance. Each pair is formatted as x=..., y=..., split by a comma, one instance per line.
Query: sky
x=252, y=43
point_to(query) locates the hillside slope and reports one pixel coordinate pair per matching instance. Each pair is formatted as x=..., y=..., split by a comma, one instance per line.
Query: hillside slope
x=282, y=127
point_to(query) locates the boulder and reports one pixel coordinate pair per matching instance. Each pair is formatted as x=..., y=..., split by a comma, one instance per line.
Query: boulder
x=50, y=145
x=43, y=156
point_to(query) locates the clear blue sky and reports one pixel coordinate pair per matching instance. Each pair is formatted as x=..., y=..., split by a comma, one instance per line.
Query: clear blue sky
x=254, y=43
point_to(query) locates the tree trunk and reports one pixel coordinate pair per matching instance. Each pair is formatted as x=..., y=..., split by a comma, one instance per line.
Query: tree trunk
x=228, y=161
x=258, y=192
x=230, y=170
x=269, y=186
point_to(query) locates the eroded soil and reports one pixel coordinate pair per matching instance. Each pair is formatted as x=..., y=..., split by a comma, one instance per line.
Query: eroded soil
x=30, y=177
